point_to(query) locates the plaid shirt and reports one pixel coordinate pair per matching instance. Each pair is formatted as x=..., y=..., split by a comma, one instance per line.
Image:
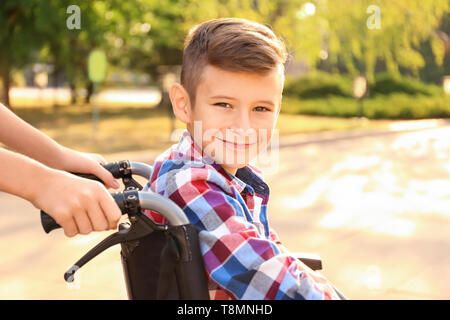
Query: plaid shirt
x=242, y=255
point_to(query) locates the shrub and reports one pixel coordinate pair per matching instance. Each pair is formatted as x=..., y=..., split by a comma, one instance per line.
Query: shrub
x=395, y=106
x=387, y=84
x=403, y=106
x=318, y=85
x=390, y=97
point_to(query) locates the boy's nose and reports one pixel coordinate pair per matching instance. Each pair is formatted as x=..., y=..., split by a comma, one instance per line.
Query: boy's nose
x=242, y=121
x=241, y=129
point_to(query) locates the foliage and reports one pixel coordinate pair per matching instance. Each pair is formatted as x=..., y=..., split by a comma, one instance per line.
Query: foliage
x=386, y=83
x=17, y=37
x=318, y=85
x=142, y=35
x=395, y=45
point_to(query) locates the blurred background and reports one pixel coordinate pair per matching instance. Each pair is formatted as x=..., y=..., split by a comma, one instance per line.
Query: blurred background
x=363, y=167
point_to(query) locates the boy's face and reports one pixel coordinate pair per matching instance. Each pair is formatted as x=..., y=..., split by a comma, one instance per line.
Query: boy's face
x=236, y=113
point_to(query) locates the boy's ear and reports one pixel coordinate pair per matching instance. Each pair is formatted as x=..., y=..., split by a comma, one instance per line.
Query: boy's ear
x=180, y=102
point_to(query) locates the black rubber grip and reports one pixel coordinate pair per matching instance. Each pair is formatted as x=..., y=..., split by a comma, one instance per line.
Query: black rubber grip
x=49, y=224
x=88, y=176
x=114, y=168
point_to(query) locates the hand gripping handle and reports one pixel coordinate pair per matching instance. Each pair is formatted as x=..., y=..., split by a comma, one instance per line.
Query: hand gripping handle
x=120, y=169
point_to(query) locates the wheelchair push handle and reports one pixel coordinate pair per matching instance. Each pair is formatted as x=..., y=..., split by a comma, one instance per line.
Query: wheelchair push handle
x=130, y=202
x=49, y=224
x=120, y=170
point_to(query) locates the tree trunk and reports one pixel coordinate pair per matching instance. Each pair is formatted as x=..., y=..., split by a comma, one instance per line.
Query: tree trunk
x=73, y=93
x=90, y=91
x=6, y=77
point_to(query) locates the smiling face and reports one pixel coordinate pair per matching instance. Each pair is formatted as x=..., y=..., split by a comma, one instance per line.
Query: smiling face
x=236, y=113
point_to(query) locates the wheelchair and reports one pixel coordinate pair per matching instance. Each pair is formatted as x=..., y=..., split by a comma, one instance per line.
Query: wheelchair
x=160, y=261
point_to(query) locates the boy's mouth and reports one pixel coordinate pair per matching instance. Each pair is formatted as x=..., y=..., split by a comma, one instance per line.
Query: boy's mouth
x=236, y=145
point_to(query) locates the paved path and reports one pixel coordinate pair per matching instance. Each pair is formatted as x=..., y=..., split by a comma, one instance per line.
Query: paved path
x=374, y=205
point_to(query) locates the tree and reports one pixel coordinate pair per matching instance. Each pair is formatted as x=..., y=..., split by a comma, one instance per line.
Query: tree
x=17, y=38
x=395, y=45
x=33, y=30
x=68, y=49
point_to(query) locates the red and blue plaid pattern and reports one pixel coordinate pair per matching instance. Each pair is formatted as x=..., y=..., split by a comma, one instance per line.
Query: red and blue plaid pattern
x=242, y=255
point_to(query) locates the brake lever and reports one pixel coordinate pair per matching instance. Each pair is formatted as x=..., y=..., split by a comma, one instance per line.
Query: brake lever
x=131, y=184
x=124, y=169
x=121, y=169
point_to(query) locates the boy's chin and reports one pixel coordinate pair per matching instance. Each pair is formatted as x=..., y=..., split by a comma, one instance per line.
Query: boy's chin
x=233, y=161
x=233, y=166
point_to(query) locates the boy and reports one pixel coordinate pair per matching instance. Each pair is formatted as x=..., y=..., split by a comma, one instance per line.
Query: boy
x=229, y=98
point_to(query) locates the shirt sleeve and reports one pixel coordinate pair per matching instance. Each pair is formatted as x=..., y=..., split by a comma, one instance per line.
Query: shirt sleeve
x=236, y=257
x=274, y=236
x=155, y=216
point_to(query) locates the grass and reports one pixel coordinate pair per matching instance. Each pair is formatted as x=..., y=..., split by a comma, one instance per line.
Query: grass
x=133, y=129
x=119, y=129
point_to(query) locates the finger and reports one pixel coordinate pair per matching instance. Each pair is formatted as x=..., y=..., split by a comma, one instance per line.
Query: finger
x=102, y=160
x=106, y=176
x=111, y=210
x=70, y=228
x=98, y=158
x=97, y=217
x=83, y=223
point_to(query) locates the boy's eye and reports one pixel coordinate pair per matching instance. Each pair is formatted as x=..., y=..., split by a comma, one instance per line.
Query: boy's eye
x=222, y=104
x=261, y=109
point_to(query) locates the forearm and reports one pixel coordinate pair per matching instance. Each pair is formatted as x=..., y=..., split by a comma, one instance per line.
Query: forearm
x=24, y=138
x=22, y=176
x=77, y=205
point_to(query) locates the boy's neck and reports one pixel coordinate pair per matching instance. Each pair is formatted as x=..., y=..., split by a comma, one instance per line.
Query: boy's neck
x=229, y=170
